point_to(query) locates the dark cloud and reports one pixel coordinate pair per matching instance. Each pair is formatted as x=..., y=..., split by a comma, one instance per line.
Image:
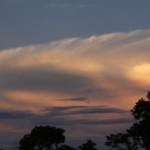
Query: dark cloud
x=60, y=116
x=15, y=114
x=41, y=79
x=57, y=116
x=73, y=99
x=91, y=89
x=104, y=122
x=93, y=110
x=60, y=111
x=119, y=95
x=62, y=108
x=66, y=121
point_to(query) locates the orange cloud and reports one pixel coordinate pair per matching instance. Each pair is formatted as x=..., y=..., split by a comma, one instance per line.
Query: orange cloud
x=117, y=62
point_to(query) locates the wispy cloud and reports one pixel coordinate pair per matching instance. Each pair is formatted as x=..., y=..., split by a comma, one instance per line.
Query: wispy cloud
x=15, y=114
x=80, y=110
x=103, y=122
x=90, y=89
x=59, y=77
x=105, y=62
x=66, y=121
x=73, y=99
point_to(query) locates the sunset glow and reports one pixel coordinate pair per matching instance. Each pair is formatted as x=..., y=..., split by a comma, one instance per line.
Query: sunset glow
x=80, y=66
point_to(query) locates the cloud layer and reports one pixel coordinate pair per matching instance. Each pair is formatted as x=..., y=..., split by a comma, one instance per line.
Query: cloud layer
x=75, y=81
x=112, y=61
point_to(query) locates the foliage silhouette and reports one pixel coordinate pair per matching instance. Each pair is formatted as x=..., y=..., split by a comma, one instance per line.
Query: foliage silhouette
x=89, y=145
x=66, y=147
x=49, y=138
x=26, y=143
x=42, y=138
x=138, y=135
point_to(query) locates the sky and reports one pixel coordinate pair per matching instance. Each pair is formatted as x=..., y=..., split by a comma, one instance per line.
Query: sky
x=80, y=65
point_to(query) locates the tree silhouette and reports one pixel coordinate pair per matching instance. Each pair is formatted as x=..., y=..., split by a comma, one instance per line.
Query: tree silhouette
x=42, y=138
x=138, y=135
x=26, y=143
x=89, y=145
x=66, y=147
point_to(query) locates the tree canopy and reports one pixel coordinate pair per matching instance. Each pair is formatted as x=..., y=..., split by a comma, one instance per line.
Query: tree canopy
x=49, y=138
x=66, y=147
x=138, y=135
x=89, y=145
x=42, y=138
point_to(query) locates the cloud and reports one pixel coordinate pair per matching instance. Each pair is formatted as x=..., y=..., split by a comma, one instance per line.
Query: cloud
x=55, y=116
x=15, y=114
x=41, y=79
x=101, y=66
x=103, y=122
x=57, y=109
x=54, y=80
x=73, y=99
x=73, y=115
x=80, y=110
x=65, y=121
x=90, y=89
